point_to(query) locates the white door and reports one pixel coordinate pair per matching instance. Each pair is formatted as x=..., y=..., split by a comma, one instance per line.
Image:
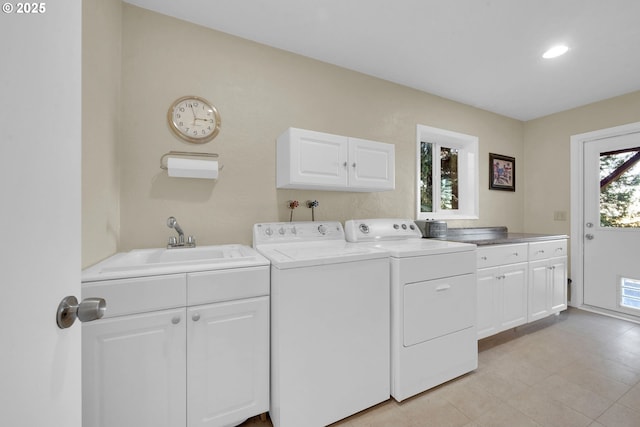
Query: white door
x=371, y=164
x=40, y=215
x=611, y=230
x=133, y=370
x=228, y=362
x=318, y=159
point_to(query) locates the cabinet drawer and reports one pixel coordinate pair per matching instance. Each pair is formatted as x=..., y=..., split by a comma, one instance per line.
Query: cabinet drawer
x=490, y=256
x=550, y=249
x=224, y=285
x=139, y=295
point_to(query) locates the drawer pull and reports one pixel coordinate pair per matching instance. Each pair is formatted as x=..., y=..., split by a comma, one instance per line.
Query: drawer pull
x=515, y=254
x=195, y=317
x=175, y=320
x=541, y=251
x=484, y=258
x=443, y=288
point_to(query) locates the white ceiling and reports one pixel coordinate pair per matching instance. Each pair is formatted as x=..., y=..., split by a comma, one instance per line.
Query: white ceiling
x=484, y=53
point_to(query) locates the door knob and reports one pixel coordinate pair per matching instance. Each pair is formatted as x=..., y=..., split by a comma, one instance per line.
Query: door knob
x=589, y=236
x=89, y=309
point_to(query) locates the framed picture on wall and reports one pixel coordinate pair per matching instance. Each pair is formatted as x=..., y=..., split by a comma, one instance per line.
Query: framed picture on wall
x=502, y=172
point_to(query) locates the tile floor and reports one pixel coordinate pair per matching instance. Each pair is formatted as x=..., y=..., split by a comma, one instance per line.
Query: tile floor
x=575, y=369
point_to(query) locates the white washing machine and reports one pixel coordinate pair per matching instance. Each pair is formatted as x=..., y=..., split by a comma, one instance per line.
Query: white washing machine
x=330, y=318
x=433, y=303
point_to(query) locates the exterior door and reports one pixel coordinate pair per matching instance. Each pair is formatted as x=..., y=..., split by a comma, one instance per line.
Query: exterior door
x=40, y=191
x=611, y=229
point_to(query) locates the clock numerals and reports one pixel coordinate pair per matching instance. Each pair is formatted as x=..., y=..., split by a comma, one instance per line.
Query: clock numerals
x=194, y=119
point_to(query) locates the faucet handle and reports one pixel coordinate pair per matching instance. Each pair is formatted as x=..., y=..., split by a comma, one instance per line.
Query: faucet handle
x=173, y=241
x=191, y=240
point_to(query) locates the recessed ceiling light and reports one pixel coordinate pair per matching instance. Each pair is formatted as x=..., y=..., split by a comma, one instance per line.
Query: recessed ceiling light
x=555, y=51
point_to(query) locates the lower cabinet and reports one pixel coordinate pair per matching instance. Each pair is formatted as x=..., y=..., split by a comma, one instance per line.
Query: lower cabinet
x=547, y=287
x=520, y=283
x=502, y=298
x=201, y=366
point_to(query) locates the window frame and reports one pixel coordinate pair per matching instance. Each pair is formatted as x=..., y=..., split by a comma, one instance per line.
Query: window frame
x=468, y=188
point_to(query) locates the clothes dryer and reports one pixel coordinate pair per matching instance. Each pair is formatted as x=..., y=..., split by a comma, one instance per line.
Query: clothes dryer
x=433, y=303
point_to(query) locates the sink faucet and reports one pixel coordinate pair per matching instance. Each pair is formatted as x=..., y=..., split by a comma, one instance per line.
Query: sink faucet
x=172, y=222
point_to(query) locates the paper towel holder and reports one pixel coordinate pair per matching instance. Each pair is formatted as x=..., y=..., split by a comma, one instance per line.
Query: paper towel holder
x=163, y=159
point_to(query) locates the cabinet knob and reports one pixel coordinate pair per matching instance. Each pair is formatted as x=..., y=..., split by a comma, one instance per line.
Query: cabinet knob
x=344, y=164
x=175, y=320
x=195, y=317
x=484, y=258
x=353, y=164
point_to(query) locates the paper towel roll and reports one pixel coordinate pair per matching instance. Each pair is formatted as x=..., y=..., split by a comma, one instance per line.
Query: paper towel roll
x=192, y=168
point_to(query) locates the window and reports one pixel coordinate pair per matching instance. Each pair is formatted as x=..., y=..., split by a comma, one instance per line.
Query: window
x=447, y=169
x=620, y=188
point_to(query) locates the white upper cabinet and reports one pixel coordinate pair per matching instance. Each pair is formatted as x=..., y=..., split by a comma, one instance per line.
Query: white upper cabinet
x=320, y=161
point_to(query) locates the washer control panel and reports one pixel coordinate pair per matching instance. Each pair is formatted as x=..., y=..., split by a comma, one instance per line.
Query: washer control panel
x=369, y=230
x=302, y=231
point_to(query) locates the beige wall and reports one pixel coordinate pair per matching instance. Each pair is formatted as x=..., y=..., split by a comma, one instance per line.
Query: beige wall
x=260, y=91
x=547, y=153
x=101, y=76
x=137, y=62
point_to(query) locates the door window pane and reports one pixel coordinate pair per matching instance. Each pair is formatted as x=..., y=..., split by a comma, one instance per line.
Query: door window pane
x=620, y=188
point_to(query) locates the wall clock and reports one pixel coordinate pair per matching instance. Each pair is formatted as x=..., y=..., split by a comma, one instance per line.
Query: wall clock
x=194, y=119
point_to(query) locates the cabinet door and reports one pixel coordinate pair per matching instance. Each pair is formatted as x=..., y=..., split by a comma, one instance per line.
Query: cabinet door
x=513, y=288
x=311, y=160
x=133, y=371
x=486, y=316
x=558, y=285
x=371, y=165
x=228, y=362
x=538, y=290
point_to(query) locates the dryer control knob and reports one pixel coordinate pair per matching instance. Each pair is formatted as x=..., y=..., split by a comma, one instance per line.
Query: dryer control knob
x=364, y=228
x=268, y=231
x=396, y=226
x=322, y=229
x=281, y=231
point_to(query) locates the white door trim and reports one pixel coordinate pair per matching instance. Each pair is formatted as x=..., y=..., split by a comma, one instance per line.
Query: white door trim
x=577, y=202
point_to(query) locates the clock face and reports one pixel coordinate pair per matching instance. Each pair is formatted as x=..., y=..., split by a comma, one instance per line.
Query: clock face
x=194, y=119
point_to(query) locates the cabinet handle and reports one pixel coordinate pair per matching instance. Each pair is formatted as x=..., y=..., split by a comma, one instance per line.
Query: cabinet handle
x=175, y=320
x=484, y=258
x=195, y=317
x=354, y=165
x=515, y=254
x=344, y=164
x=443, y=288
x=541, y=251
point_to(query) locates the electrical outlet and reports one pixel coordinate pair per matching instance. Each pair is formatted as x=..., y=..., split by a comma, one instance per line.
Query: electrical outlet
x=560, y=216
